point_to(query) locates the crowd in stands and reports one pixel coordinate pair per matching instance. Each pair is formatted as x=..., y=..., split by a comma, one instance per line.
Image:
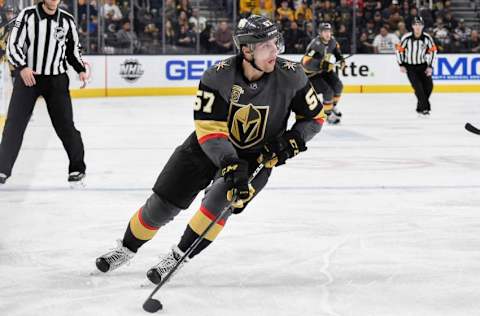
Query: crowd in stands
x=205, y=26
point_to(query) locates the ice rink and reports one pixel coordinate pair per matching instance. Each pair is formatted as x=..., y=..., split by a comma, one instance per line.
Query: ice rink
x=381, y=216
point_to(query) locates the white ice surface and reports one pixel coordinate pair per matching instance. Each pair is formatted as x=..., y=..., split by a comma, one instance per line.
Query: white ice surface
x=381, y=216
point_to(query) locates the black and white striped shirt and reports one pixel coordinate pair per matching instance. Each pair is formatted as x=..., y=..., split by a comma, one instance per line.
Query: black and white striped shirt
x=416, y=51
x=45, y=42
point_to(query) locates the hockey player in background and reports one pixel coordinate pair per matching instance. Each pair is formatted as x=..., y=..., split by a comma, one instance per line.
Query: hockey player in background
x=241, y=113
x=319, y=63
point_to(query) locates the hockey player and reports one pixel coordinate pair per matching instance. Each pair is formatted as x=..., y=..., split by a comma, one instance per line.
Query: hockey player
x=319, y=65
x=241, y=111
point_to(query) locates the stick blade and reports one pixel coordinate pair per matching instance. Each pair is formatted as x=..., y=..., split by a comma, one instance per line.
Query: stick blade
x=152, y=305
x=469, y=127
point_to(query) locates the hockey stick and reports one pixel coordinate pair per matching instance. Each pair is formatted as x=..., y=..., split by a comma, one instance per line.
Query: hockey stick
x=152, y=305
x=348, y=56
x=8, y=22
x=469, y=127
x=314, y=73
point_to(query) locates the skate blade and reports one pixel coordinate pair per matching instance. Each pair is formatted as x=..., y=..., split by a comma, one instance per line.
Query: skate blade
x=146, y=284
x=77, y=185
x=96, y=273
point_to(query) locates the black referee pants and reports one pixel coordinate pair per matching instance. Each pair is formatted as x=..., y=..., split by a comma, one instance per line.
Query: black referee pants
x=422, y=84
x=55, y=91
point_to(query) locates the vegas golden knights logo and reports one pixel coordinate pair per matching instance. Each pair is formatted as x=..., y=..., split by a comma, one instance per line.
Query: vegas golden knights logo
x=247, y=124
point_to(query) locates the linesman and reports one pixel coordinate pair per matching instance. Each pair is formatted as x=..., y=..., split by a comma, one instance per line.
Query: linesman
x=43, y=40
x=415, y=55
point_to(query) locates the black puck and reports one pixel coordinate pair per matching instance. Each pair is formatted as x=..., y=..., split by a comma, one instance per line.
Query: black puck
x=152, y=305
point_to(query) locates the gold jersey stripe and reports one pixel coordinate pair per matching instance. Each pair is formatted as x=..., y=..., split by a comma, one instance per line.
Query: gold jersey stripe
x=204, y=128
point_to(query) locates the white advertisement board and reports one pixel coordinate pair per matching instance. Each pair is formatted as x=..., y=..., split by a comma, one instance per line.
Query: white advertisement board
x=365, y=72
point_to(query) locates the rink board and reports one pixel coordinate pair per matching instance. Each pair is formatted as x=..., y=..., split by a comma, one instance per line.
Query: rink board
x=179, y=75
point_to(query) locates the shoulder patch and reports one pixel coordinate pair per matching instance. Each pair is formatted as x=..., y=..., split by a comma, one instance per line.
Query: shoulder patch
x=289, y=65
x=223, y=64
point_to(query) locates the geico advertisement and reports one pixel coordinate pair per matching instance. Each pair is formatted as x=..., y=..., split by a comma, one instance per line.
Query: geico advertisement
x=186, y=71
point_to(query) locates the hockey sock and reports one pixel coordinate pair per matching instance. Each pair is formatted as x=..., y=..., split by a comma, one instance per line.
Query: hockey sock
x=196, y=227
x=138, y=232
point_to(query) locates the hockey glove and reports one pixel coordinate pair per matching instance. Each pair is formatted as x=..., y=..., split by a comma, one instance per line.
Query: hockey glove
x=284, y=147
x=235, y=173
x=326, y=66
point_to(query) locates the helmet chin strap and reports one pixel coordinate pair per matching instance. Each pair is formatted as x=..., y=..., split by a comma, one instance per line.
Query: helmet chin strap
x=252, y=62
x=254, y=65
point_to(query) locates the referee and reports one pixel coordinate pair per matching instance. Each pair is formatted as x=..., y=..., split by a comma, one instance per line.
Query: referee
x=415, y=55
x=43, y=39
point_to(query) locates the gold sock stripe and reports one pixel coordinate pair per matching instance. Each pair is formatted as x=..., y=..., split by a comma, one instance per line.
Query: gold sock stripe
x=140, y=229
x=201, y=220
x=327, y=106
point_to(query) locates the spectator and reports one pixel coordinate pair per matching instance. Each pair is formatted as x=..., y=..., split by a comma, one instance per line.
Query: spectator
x=473, y=43
x=402, y=30
x=405, y=9
x=328, y=13
x=82, y=10
x=294, y=39
x=309, y=32
x=170, y=34
x=409, y=19
x=184, y=5
x=301, y=22
x=207, y=39
x=343, y=38
x=112, y=11
x=186, y=37
x=427, y=16
x=223, y=38
x=284, y=12
x=345, y=13
x=127, y=39
x=198, y=22
x=360, y=19
x=247, y=7
x=441, y=35
x=266, y=8
x=371, y=8
x=385, y=42
x=370, y=31
x=170, y=11
x=182, y=19
x=394, y=20
x=305, y=11
x=364, y=46
x=378, y=21
x=450, y=22
x=462, y=33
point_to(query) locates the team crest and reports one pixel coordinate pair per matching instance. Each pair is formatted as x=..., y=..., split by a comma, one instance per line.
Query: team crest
x=236, y=93
x=60, y=34
x=247, y=124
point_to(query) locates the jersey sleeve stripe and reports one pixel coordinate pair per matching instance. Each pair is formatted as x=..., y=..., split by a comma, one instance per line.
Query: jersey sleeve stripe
x=206, y=130
x=204, y=139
